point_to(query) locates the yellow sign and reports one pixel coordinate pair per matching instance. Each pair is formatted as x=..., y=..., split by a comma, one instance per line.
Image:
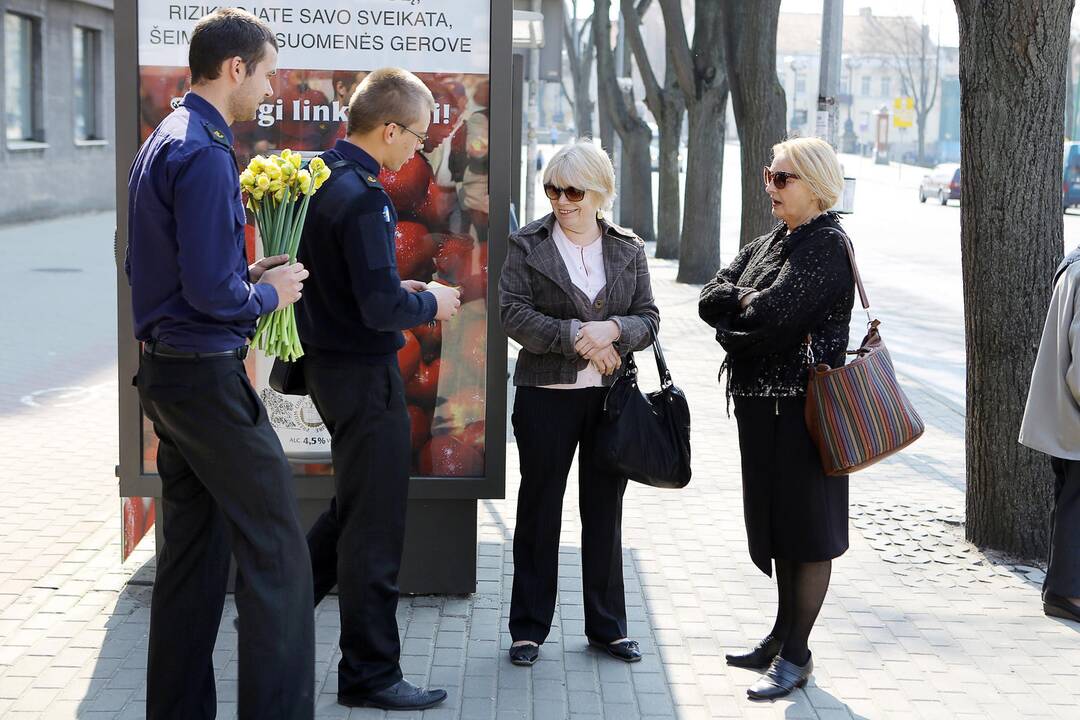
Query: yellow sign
x=903, y=112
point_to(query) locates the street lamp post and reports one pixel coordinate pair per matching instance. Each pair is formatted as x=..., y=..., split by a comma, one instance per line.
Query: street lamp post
x=850, y=140
x=795, y=67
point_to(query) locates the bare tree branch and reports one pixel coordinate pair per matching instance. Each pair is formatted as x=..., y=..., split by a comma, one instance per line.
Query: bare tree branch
x=679, y=46
x=653, y=92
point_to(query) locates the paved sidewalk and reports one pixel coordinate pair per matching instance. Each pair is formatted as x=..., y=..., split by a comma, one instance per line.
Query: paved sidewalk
x=918, y=623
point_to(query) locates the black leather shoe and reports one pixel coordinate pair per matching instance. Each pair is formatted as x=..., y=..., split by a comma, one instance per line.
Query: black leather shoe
x=402, y=695
x=760, y=657
x=524, y=655
x=781, y=679
x=1060, y=607
x=627, y=650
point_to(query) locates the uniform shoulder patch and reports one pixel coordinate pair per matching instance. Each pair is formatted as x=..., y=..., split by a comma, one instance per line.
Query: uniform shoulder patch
x=369, y=179
x=215, y=134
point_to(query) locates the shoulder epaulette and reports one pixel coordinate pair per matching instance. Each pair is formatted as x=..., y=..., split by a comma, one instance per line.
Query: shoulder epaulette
x=216, y=135
x=369, y=179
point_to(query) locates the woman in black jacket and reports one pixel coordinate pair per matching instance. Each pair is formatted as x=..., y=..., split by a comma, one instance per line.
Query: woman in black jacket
x=789, y=285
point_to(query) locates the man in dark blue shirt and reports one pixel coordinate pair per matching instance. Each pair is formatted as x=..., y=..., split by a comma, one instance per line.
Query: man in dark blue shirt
x=350, y=323
x=225, y=483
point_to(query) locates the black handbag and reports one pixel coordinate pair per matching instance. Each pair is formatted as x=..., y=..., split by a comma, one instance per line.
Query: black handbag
x=287, y=378
x=645, y=437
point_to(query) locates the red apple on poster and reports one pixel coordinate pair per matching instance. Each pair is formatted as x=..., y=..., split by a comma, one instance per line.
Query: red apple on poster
x=409, y=356
x=474, y=284
x=454, y=256
x=446, y=455
x=430, y=337
x=420, y=426
x=437, y=206
x=415, y=249
x=407, y=187
x=424, y=385
x=473, y=435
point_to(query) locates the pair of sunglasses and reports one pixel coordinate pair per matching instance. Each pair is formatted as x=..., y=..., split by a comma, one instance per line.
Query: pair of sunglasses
x=779, y=179
x=572, y=193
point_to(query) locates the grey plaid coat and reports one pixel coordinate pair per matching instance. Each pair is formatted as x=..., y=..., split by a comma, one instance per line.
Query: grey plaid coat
x=541, y=308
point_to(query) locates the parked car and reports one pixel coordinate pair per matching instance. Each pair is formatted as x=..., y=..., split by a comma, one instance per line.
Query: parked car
x=1070, y=176
x=942, y=183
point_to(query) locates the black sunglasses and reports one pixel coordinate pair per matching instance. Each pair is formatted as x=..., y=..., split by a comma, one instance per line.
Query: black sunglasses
x=572, y=193
x=406, y=128
x=779, y=179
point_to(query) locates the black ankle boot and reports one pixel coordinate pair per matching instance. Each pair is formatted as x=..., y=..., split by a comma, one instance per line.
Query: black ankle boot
x=760, y=657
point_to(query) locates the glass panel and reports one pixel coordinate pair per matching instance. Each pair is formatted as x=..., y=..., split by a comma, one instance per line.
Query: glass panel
x=79, y=81
x=18, y=76
x=84, y=79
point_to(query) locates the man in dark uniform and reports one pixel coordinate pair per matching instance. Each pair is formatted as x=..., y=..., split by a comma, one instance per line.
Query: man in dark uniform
x=350, y=324
x=225, y=482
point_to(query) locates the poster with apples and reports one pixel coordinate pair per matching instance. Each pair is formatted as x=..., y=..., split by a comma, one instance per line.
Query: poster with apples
x=326, y=47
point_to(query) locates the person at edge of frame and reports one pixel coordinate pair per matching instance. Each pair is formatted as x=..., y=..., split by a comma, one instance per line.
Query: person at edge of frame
x=1051, y=425
x=350, y=324
x=225, y=483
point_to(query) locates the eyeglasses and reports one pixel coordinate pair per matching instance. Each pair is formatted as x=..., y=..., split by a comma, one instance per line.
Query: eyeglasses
x=406, y=128
x=779, y=179
x=572, y=193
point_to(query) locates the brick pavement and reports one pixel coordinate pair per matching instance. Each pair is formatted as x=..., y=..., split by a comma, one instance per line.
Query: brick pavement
x=918, y=624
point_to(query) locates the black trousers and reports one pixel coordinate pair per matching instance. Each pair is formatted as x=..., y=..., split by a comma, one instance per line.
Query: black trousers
x=548, y=426
x=1063, y=567
x=225, y=485
x=357, y=543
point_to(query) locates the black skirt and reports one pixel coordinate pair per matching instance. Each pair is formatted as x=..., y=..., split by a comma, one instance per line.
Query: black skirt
x=793, y=510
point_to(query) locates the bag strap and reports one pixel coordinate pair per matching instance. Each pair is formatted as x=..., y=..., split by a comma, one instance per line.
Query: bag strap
x=661, y=363
x=855, y=271
x=862, y=296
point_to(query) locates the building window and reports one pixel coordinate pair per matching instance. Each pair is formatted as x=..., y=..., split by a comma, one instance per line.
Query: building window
x=886, y=87
x=87, y=81
x=22, y=77
x=800, y=83
x=866, y=86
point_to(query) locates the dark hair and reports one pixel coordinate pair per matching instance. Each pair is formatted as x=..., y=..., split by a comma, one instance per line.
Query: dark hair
x=388, y=95
x=223, y=34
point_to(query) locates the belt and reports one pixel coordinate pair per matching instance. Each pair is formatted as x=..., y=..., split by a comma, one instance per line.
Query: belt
x=154, y=348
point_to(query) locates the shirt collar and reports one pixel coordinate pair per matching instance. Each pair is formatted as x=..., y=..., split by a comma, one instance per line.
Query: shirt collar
x=202, y=106
x=560, y=236
x=357, y=154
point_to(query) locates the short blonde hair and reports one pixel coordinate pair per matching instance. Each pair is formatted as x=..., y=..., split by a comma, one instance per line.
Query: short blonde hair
x=816, y=164
x=583, y=165
x=388, y=95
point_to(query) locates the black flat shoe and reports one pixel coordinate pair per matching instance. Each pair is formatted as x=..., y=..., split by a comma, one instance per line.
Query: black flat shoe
x=1060, y=607
x=781, y=679
x=402, y=695
x=760, y=657
x=524, y=655
x=626, y=650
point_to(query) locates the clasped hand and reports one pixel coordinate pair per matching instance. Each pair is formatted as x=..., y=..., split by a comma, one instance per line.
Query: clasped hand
x=594, y=343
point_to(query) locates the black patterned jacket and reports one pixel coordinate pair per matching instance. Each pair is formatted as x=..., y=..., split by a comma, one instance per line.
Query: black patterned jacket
x=805, y=286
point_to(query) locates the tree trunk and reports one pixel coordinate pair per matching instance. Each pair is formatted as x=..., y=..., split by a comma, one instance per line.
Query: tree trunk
x=632, y=130
x=1012, y=65
x=670, y=202
x=636, y=160
x=699, y=250
x=758, y=100
x=583, y=109
x=921, y=134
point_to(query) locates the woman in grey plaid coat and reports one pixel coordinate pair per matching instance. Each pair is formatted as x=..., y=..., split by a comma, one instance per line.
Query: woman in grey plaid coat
x=575, y=294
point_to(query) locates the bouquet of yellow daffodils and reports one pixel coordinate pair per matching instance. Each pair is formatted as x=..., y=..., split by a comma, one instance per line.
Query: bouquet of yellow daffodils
x=278, y=191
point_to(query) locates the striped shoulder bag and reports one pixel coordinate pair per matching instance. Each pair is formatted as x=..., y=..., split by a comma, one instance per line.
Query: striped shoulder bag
x=857, y=414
